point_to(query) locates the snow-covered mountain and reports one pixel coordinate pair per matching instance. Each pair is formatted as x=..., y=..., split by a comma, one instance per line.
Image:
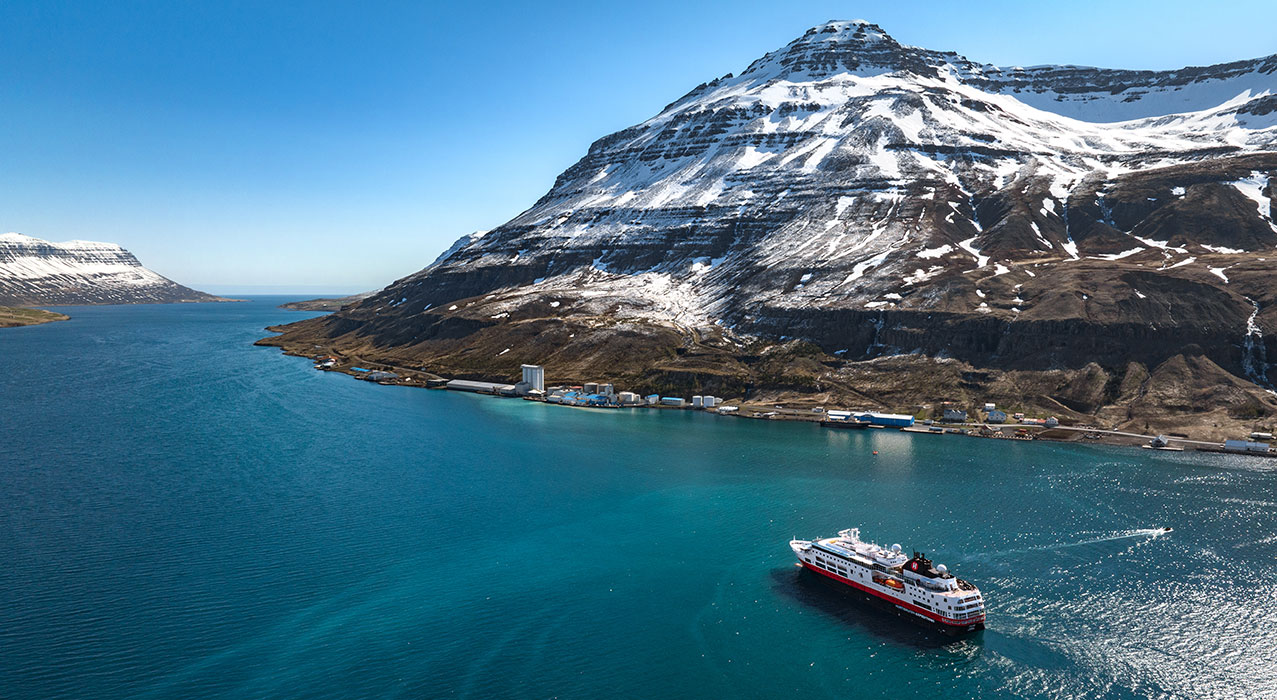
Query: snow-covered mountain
x=880, y=199
x=35, y=272
x=850, y=162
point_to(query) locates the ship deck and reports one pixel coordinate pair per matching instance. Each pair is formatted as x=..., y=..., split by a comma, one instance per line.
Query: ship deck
x=833, y=545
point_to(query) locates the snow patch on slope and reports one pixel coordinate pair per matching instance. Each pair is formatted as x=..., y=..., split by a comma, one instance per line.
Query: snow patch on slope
x=1253, y=189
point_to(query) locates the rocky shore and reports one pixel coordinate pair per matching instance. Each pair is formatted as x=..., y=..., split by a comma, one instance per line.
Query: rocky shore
x=325, y=304
x=1204, y=434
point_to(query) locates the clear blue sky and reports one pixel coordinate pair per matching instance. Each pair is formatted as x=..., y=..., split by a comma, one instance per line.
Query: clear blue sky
x=322, y=146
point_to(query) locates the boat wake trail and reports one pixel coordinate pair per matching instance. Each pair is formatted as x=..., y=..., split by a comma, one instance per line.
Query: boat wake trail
x=1143, y=533
x=1148, y=533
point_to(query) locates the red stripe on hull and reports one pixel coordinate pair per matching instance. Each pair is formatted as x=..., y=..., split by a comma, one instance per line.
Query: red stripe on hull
x=896, y=601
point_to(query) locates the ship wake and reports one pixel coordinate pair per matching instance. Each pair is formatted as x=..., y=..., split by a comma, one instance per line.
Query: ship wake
x=1144, y=534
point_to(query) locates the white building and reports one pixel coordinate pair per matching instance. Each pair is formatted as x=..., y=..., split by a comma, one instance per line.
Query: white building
x=534, y=377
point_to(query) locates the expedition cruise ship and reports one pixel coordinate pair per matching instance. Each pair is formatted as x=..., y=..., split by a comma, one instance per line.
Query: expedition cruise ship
x=912, y=586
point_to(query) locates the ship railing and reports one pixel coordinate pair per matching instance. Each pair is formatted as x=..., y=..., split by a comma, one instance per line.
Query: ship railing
x=926, y=583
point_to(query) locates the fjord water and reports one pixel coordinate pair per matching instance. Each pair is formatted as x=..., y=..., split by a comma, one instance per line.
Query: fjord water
x=187, y=515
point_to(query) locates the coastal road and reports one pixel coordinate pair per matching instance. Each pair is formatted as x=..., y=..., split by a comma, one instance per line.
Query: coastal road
x=1097, y=431
x=807, y=414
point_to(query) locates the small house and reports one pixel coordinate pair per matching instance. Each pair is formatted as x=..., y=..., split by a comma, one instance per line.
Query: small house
x=954, y=415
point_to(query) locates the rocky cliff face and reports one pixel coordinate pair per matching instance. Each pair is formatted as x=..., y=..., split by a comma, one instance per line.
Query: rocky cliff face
x=881, y=200
x=35, y=272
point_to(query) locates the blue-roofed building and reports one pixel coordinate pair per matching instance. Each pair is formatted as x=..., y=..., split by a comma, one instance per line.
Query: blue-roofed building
x=890, y=420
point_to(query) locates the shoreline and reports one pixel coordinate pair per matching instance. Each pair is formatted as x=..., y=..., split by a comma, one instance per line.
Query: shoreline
x=415, y=377
x=21, y=317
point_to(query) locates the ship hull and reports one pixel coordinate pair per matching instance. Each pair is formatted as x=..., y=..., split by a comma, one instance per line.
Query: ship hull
x=855, y=592
x=844, y=424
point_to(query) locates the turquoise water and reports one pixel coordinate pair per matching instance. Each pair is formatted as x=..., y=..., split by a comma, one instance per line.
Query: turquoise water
x=188, y=516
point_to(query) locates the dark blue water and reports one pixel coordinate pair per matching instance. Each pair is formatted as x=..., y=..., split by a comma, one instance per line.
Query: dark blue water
x=188, y=516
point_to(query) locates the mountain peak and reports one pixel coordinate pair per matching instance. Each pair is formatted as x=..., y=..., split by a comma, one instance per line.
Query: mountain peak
x=840, y=46
x=859, y=29
x=21, y=239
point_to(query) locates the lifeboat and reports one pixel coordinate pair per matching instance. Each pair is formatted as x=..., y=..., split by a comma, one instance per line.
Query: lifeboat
x=892, y=583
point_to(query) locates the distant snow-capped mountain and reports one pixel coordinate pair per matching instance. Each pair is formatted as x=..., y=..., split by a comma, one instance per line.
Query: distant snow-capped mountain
x=36, y=272
x=880, y=199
